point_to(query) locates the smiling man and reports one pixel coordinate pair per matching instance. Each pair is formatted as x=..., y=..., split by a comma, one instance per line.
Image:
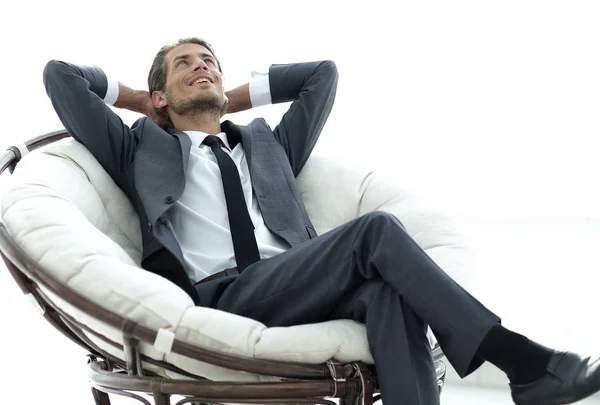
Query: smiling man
x=180, y=94
x=222, y=217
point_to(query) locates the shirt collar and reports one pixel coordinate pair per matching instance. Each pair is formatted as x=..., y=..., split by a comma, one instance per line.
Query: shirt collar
x=197, y=137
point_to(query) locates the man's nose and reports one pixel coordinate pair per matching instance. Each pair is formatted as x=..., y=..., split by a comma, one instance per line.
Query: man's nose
x=199, y=64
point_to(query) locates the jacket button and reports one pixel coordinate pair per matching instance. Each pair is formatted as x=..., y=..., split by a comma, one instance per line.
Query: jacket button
x=149, y=227
x=169, y=199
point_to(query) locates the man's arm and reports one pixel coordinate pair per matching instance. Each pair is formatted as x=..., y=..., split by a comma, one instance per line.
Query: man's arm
x=312, y=87
x=77, y=94
x=239, y=99
x=133, y=100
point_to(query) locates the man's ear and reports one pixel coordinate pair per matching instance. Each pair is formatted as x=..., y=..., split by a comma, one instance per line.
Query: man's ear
x=224, y=91
x=158, y=99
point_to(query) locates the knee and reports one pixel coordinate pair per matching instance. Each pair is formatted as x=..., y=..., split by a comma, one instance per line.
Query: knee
x=381, y=218
x=378, y=227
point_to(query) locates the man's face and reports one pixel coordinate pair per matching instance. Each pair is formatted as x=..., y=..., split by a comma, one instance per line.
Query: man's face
x=194, y=83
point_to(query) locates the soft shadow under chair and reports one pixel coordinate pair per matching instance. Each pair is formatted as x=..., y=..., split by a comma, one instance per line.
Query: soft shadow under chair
x=71, y=239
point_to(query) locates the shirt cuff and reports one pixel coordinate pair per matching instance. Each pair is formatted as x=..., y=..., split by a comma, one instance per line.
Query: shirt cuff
x=112, y=91
x=260, y=89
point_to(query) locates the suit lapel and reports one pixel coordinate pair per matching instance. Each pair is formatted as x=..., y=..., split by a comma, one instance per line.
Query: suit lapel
x=185, y=143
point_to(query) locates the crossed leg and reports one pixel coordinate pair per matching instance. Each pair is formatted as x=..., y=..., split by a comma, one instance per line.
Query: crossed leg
x=369, y=270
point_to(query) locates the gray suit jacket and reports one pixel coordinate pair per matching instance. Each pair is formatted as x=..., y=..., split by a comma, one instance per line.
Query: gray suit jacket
x=149, y=163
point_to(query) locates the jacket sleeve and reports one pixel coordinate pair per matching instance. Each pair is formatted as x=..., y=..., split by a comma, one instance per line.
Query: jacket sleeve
x=312, y=87
x=77, y=94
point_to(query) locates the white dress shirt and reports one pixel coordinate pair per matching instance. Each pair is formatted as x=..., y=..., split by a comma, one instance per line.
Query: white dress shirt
x=199, y=217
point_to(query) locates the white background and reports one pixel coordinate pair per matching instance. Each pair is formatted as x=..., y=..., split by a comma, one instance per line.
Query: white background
x=489, y=109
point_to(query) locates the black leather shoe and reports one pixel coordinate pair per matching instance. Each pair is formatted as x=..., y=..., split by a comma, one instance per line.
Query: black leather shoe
x=569, y=378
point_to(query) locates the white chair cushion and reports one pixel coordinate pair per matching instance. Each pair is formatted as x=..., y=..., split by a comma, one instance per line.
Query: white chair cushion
x=68, y=215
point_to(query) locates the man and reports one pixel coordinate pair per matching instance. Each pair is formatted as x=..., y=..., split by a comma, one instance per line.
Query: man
x=222, y=218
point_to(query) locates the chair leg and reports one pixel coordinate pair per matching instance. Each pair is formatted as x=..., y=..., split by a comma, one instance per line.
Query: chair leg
x=100, y=397
x=440, y=370
x=162, y=399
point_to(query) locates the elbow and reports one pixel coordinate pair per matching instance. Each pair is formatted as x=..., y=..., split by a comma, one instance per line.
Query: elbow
x=330, y=67
x=53, y=70
x=330, y=72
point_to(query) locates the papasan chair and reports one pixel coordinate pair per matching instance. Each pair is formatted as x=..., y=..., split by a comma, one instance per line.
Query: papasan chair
x=71, y=240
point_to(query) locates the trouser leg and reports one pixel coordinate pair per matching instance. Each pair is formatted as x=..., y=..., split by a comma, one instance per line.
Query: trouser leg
x=305, y=284
x=400, y=348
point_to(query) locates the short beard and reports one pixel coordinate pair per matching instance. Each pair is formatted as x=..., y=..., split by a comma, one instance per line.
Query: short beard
x=211, y=106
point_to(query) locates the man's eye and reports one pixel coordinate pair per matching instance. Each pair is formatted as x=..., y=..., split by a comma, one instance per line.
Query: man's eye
x=207, y=61
x=180, y=62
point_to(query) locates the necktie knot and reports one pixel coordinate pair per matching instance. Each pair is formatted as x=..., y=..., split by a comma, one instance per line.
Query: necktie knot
x=212, y=140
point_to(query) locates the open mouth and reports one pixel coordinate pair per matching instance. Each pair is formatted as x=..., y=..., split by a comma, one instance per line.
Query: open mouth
x=201, y=81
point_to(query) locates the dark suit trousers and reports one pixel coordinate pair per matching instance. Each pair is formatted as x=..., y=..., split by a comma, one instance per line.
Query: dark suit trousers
x=371, y=271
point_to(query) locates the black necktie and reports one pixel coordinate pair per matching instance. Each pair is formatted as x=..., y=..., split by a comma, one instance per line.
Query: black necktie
x=242, y=229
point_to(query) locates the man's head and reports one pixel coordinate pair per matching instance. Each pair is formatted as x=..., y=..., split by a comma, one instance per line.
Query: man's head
x=186, y=79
